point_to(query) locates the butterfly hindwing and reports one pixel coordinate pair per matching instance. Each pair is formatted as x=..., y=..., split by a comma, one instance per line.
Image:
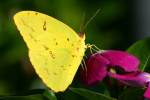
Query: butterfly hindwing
x=55, y=50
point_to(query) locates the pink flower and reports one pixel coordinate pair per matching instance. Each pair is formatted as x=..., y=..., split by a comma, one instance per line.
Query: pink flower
x=99, y=65
x=96, y=69
x=136, y=79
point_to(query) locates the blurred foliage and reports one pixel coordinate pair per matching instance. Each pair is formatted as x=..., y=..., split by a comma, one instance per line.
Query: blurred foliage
x=110, y=29
x=132, y=94
x=90, y=95
x=38, y=94
x=141, y=49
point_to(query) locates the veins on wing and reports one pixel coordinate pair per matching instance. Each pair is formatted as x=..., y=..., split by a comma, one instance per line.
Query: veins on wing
x=49, y=51
x=27, y=25
x=30, y=29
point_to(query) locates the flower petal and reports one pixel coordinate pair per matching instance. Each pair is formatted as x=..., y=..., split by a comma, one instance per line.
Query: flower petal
x=130, y=79
x=96, y=69
x=147, y=93
x=122, y=59
x=144, y=76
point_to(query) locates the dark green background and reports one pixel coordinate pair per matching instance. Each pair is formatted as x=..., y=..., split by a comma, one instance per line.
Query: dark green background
x=111, y=29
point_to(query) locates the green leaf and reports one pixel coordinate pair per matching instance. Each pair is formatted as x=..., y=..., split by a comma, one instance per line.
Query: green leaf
x=141, y=49
x=90, y=95
x=132, y=94
x=36, y=95
x=28, y=97
x=69, y=95
x=50, y=95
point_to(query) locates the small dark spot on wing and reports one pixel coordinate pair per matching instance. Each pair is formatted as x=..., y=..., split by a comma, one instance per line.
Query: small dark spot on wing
x=72, y=45
x=36, y=13
x=77, y=49
x=73, y=56
x=68, y=39
x=56, y=43
x=63, y=67
x=55, y=73
x=70, y=65
x=45, y=47
x=51, y=54
x=44, y=26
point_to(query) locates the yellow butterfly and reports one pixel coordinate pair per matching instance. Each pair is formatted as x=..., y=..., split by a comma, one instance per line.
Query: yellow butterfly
x=55, y=50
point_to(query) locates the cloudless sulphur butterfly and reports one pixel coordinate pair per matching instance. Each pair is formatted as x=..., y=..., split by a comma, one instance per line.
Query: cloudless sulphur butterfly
x=55, y=50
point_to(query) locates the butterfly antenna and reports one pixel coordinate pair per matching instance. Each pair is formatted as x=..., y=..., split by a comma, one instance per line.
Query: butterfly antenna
x=82, y=23
x=87, y=23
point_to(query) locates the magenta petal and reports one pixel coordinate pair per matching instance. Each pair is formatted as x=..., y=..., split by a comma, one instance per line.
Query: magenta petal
x=95, y=71
x=144, y=76
x=131, y=79
x=147, y=93
x=122, y=59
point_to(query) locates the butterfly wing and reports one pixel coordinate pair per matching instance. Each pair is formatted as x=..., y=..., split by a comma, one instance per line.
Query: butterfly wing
x=55, y=50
